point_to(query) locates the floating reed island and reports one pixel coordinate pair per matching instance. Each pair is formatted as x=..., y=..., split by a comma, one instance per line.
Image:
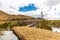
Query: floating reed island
x=30, y=33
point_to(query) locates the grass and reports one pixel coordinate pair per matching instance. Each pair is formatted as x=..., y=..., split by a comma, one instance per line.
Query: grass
x=57, y=22
x=1, y=22
x=30, y=33
x=2, y=29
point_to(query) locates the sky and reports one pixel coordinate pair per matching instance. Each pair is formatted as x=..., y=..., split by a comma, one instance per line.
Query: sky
x=50, y=8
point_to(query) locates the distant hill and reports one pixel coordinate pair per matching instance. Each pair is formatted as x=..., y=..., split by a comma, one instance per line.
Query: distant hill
x=4, y=16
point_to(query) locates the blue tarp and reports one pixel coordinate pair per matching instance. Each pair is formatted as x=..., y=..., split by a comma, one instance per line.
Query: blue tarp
x=30, y=7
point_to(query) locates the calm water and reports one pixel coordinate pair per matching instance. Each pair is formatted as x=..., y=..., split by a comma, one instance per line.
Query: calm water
x=8, y=35
x=55, y=29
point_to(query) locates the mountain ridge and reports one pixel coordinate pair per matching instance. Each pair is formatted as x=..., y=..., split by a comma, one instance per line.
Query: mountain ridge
x=5, y=16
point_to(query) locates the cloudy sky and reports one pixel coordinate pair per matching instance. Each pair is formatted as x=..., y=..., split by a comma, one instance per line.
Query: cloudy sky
x=50, y=8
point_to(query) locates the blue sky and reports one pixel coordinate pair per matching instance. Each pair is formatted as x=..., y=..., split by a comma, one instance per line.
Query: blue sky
x=50, y=8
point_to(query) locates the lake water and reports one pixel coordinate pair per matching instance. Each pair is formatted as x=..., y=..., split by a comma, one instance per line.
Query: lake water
x=55, y=29
x=8, y=35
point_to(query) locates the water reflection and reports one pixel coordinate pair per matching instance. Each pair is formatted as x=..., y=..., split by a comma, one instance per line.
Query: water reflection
x=8, y=35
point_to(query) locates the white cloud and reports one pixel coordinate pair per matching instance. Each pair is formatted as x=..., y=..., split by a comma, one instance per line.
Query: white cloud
x=53, y=2
x=12, y=6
